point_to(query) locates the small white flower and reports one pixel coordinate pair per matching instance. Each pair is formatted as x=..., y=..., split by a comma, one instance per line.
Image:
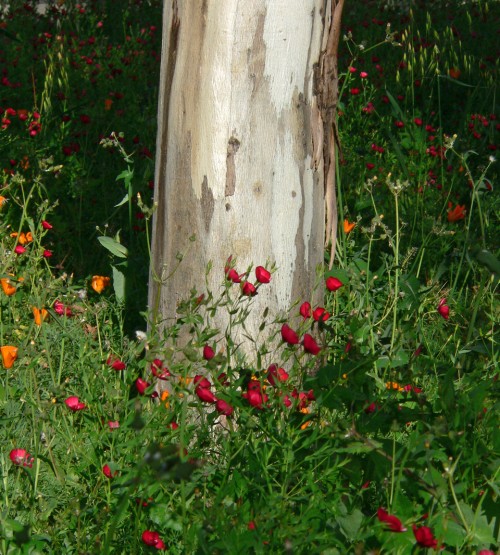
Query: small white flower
x=141, y=335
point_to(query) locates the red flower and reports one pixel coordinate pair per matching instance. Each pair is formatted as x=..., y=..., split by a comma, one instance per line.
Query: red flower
x=113, y=424
x=393, y=523
x=333, y=283
x=21, y=457
x=141, y=385
x=363, y=75
x=255, y=397
x=224, y=408
x=443, y=309
x=399, y=124
x=205, y=395
x=106, y=470
x=201, y=381
x=19, y=249
x=60, y=309
x=74, y=404
x=46, y=253
x=116, y=363
x=46, y=225
x=251, y=525
x=262, y=275
x=158, y=370
x=320, y=314
x=248, y=289
x=310, y=345
x=305, y=310
x=232, y=275
x=354, y=91
x=208, y=352
x=424, y=536
x=457, y=213
x=153, y=539
x=276, y=374
x=288, y=335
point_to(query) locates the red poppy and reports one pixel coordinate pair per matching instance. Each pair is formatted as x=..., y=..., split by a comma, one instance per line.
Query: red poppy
x=21, y=457
x=310, y=345
x=224, y=408
x=333, y=283
x=392, y=522
x=443, y=309
x=158, y=370
x=248, y=289
x=116, y=363
x=457, y=213
x=424, y=536
x=288, y=335
x=74, y=403
x=205, y=394
x=262, y=275
x=275, y=374
x=320, y=314
x=106, y=470
x=153, y=539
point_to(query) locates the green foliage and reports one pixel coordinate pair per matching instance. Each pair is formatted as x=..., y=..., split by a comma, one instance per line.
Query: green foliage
x=292, y=452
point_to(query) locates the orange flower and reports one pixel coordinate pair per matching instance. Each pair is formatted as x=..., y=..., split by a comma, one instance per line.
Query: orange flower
x=99, y=283
x=7, y=287
x=23, y=238
x=348, y=227
x=9, y=355
x=454, y=73
x=457, y=213
x=108, y=103
x=3, y=200
x=40, y=314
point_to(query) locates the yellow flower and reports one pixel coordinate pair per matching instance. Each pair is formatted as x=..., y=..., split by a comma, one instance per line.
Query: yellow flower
x=99, y=283
x=7, y=287
x=348, y=226
x=40, y=314
x=9, y=355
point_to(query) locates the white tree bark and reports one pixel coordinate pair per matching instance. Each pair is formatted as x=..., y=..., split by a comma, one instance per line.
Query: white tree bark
x=234, y=151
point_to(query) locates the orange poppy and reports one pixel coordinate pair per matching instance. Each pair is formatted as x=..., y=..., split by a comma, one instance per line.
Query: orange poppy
x=23, y=238
x=7, y=287
x=3, y=200
x=454, y=73
x=108, y=103
x=457, y=213
x=9, y=355
x=99, y=283
x=348, y=226
x=40, y=314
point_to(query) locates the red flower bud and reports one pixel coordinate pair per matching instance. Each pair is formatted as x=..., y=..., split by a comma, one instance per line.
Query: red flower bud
x=205, y=395
x=305, y=310
x=248, y=289
x=262, y=275
x=224, y=408
x=141, y=385
x=288, y=335
x=153, y=539
x=443, y=309
x=116, y=363
x=158, y=370
x=332, y=284
x=201, y=381
x=208, y=352
x=310, y=345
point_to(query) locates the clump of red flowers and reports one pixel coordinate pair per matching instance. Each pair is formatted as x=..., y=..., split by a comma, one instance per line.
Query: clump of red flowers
x=153, y=539
x=21, y=457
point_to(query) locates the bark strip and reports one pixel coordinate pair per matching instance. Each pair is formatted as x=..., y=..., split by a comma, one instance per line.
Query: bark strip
x=325, y=132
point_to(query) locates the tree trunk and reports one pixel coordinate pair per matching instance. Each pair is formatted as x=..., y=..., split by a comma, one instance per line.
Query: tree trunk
x=235, y=165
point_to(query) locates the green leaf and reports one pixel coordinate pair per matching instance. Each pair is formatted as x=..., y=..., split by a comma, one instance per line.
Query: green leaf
x=350, y=524
x=118, y=284
x=113, y=246
x=123, y=201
